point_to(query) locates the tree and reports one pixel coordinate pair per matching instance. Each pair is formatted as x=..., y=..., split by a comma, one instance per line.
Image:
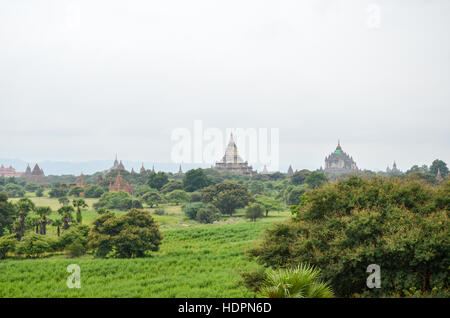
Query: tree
x=14, y=190
x=269, y=204
x=43, y=212
x=58, y=223
x=343, y=227
x=294, y=195
x=23, y=206
x=79, y=204
x=208, y=214
x=93, y=191
x=256, y=187
x=76, y=191
x=7, y=244
x=152, y=198
x=57, y=192
x=33, y=245
x=299, y=177
x=66, y=215
x=157, y=180
x=227, y=196
x=7, y=214
x=178, y=196
x=133, y=234
x=191, y=209
x=439, y=165
x=254, y=211
x=172, y=185
x=119, y=200
x=316, y=179
x=298, y=282
x=64, y=200
x=40, y=191
x=195, y=179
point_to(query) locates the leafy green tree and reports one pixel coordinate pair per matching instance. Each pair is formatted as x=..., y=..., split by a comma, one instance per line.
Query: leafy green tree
x=140, y=191
x=256, y=187
x=7, y=214
x=57, y=192
x=298, y=282
x=208, y=214
x=78, y=204
x=93, y=191
x=7, y=244
x=43, y=212
x=14, y=190
x=33, y=245
x=157, y=180
x=23, y=206
x=191, y=209
x=195, y=179
x=269, y=204
x=178, y=196
x=294, y=195
x=343, y=227
x=133, y=234
x=299, y=177
x=254, y=211
x=114, y=200
x=66, y=212
x=76, y=191
x=40, y=191
x=75, y=240
x=64, y=200
x=316, y=179
x=31, y=187
x=172, y=185
x=441, y=165
x=227, y=196
x=152, y=198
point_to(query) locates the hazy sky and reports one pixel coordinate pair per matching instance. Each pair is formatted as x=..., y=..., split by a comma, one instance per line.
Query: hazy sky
x=83, y=80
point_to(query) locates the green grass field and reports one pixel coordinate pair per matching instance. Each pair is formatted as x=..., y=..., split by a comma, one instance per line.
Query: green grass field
x=194, y=260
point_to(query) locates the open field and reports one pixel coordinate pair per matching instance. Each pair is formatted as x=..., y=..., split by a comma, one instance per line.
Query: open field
x=194, y=260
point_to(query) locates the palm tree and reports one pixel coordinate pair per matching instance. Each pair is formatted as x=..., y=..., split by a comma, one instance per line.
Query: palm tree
x=43, y=211
x=78, y=204
x=63, y=201
x=299, y=282
x=57, y=223
x=24, y=206
x=66, y=212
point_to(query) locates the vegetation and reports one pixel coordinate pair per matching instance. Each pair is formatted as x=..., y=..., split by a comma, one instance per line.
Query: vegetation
x=341, y=228
x=227, y=196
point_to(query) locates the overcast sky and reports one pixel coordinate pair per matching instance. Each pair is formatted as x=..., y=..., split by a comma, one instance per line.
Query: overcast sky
x=83, y=80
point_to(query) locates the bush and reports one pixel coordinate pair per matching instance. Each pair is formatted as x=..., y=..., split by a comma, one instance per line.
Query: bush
x=208, y=214
x=93, y=191
x=133, y=234
x=299, y=282
x=341, y=228
x=196, y=197
x=40, y=191
x=33, y=245
x=76, y=249
x=14, y=190
x=77, y=233
x=57, y=192
x=254, y=211
x=7, y=244
x=191, y=209
x=114, y=200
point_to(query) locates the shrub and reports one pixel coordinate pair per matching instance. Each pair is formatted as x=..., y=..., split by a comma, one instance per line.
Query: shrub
x=208, y=214
x=299, y=282
x=196, y=197
x=133, y=234
x=7, y=244
x=40, y=191
x=77, y=233
x=93, y=191
x=254, y=211
x=33, y=245
x=191, y=209
x=57, y=192
x=115, y=200
x=75, y=249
